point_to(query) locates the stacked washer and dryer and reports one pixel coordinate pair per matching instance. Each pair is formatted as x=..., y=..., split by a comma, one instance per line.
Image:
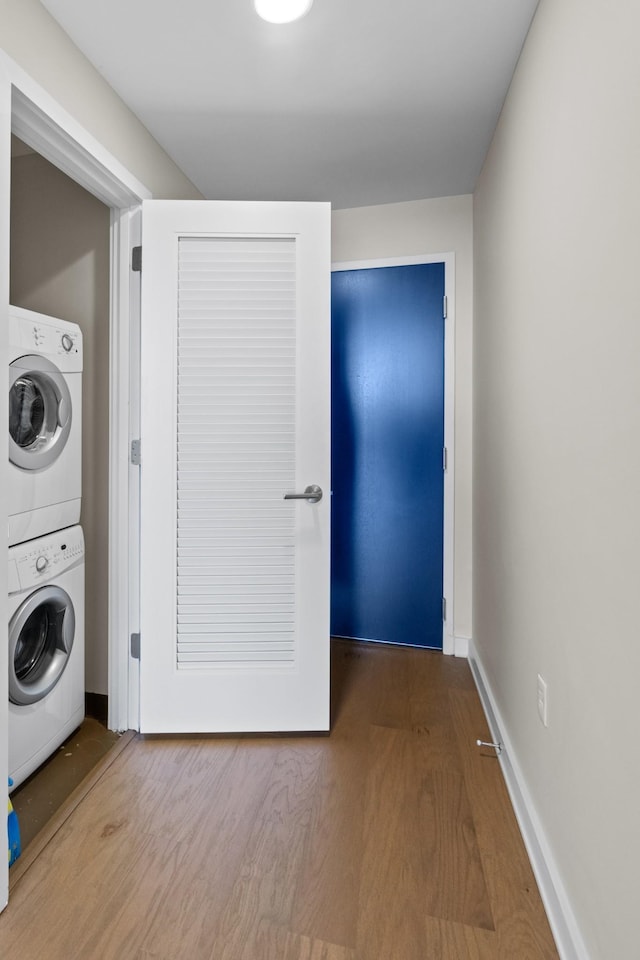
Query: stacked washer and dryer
x=46, y=544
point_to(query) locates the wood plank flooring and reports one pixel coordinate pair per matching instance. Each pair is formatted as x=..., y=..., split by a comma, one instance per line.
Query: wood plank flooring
x=391, y=839
x=38, y=798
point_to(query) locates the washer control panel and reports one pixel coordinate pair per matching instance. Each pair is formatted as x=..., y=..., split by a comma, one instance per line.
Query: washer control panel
x=44, y=558
x=53, y=341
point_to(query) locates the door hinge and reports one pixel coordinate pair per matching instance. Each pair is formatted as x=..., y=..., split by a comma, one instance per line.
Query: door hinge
x=444, y=307
x=136, y=259
x=135, y=453
x=444, y=608
x=135, y=646
x=444, y=458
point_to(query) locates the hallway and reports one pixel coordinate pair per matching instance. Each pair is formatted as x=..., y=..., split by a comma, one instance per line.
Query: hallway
x=392, y=839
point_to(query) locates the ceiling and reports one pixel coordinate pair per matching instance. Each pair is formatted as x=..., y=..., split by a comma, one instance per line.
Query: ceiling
x=360, y=102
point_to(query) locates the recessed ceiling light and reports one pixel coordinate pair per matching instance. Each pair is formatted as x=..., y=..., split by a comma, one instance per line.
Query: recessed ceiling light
x=282, y=11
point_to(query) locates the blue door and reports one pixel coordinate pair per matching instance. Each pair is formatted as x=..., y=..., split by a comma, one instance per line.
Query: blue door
x=387, y=454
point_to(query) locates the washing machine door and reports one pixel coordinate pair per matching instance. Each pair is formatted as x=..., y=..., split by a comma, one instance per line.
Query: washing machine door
x=39, y=412
x=41, y=634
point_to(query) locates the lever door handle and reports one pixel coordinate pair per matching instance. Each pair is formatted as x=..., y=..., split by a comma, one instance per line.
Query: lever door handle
x=312, y=494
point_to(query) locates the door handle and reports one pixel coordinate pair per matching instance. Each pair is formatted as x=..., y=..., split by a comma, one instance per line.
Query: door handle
x=312, y=494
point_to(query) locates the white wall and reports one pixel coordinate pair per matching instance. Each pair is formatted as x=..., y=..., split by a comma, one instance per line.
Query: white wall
x=31, y=37
x=408, y=229
x=557, y=447
x=60, y=266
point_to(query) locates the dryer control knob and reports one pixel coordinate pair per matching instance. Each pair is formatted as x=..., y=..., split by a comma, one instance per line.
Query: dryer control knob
x=67, y=342
x=41, y=564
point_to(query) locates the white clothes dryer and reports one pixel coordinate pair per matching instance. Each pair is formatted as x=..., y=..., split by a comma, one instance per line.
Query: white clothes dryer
x=45, y=424
x=46, y=647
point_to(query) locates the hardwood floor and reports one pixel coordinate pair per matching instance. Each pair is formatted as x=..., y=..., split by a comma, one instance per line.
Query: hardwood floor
x=392, y=839
x=38, y=799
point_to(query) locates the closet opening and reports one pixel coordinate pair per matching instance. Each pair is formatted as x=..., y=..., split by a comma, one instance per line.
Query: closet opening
x=60, y=268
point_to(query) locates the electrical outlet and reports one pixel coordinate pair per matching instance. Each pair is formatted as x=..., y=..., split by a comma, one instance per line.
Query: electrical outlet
x=543, y=701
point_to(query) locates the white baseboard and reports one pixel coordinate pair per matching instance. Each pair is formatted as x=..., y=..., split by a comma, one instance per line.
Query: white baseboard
x=461, y=646
x=560, y=914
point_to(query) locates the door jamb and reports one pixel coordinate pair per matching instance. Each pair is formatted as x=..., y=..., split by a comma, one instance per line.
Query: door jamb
x=47, y=127
x=448, y=560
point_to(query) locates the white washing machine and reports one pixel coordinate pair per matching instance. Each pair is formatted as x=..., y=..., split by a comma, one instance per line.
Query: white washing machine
x=45, y=424
x=46, y=647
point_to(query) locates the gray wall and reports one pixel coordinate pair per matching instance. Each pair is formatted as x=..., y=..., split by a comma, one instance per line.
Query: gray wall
x=557, y=446
x=60, y=266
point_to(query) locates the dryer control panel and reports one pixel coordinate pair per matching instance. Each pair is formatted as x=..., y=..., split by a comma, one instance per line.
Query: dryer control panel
x=31, y=332
x=44, y=558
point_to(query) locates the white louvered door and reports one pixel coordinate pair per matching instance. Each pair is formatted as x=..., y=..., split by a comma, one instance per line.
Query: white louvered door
x=235, y=379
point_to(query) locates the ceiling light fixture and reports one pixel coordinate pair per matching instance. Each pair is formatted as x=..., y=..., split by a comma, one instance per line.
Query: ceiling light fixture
x=282, y=11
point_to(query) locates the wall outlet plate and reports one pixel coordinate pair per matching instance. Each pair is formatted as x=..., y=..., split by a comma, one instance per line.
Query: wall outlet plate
x=543, y=701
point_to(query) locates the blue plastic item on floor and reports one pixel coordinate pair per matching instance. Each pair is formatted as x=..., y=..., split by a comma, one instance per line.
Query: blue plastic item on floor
x=13, y=829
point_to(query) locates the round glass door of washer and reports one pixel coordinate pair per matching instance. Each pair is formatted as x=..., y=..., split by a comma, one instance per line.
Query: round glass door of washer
x=41, y=634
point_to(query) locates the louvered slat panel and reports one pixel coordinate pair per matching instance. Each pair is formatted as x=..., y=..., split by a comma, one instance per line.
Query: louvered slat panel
x=236, y=452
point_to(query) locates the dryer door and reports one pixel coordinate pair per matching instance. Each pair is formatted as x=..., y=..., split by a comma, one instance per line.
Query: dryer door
x=41, y=634
x=39, y=412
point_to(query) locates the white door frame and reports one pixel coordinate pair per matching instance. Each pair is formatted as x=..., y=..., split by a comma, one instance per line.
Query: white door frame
x=449, y=260
x=43, y=124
